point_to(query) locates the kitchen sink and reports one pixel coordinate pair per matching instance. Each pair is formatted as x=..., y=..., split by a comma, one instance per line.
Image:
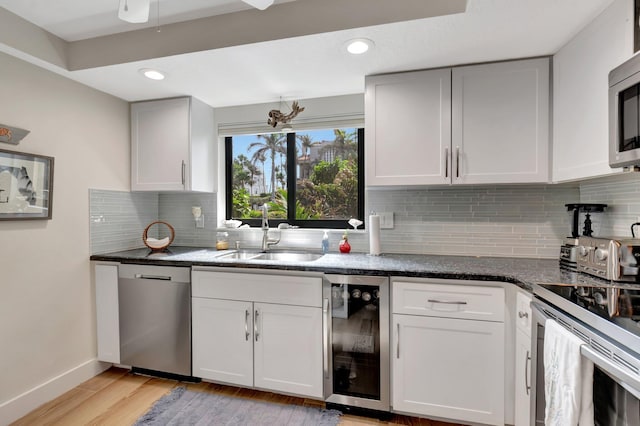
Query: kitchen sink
x=240, y=255
x=280, y=256
x=284, y=256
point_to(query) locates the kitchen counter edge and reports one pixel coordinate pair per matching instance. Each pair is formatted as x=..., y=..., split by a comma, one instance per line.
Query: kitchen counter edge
x=523, y=272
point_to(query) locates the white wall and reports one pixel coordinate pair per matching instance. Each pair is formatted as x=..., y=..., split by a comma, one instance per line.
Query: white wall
x=47, y=325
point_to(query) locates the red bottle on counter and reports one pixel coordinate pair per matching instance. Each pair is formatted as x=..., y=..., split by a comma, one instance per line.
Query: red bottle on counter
x=344, y=245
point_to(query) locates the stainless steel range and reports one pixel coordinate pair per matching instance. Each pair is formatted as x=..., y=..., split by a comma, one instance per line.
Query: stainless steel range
x=605, y=315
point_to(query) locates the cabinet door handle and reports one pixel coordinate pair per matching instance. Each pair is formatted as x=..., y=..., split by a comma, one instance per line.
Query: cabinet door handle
x=255, y=325
x=325, y=336
x=398, y=341
x=457, y=162
x=184, y=166
x=446, y=163
x=523, y=314
x=527, y=361
x=447, y=302
x=246, y=325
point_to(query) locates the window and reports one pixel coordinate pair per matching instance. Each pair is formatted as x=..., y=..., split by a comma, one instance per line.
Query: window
x=312, y=179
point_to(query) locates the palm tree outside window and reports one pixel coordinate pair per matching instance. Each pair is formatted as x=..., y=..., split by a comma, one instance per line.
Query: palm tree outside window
x=312, y=179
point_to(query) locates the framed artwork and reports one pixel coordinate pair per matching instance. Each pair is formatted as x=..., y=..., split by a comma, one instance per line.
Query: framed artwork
x=26, y=186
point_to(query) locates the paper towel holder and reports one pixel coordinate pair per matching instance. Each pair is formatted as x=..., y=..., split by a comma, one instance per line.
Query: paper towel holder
x=374, y=234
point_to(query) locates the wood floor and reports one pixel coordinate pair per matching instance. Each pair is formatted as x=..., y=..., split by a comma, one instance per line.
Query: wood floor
x=119, y=398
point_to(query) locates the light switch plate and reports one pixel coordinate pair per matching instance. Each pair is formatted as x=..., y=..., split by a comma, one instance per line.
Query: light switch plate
x=386, y=220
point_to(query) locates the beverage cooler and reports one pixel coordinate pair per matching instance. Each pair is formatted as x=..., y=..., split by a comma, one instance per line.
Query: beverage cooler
x=356, y=336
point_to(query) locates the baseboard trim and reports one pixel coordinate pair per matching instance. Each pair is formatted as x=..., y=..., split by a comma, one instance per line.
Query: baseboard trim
x=23, y=404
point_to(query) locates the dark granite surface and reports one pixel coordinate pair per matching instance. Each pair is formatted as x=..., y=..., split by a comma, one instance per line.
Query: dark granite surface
x=522, y=272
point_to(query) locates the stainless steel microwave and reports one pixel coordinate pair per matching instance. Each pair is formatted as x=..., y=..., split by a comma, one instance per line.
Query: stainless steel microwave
x=624, y=114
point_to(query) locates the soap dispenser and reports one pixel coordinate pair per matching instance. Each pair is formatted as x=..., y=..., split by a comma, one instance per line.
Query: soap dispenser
x=325, y=243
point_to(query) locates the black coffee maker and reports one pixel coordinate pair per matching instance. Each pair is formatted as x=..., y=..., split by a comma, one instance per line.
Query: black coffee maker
x=568, y=251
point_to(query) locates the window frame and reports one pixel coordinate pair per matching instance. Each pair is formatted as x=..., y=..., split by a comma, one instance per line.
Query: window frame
x=291, y=188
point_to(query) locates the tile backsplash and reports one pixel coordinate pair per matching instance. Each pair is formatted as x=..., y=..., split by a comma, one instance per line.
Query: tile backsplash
x=622, y=196
x=514, y=221
x=175, y=208
x=118, y=218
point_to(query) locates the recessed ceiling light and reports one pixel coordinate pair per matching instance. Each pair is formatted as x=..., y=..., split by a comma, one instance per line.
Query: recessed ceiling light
x=152, y=74
x=359, y=46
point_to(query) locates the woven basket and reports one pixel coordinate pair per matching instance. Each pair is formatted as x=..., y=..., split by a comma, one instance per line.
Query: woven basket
x=161, y=248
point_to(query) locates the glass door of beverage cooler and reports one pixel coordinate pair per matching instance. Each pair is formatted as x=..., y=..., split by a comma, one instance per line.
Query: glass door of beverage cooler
x=356, y=335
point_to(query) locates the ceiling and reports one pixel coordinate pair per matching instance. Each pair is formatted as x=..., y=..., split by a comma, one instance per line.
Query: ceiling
x=226, y=53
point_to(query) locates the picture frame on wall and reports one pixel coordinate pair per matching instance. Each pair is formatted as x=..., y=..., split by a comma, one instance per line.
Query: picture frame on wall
x=26, y=186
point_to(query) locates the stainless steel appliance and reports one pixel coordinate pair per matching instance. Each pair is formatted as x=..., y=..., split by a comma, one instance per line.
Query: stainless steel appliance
x=611, y=259
x=356, y=333
x=624, y=114
x=569, y=250
x=155, y=318
x=611, y=337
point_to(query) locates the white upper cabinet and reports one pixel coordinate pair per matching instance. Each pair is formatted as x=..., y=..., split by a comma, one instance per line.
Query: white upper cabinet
x=580, y=93
x=500, y=122
x=172, y=146
x=466, y=125
x=408, y=128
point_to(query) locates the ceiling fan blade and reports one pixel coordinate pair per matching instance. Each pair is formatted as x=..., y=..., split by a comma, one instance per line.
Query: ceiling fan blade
x=259, y=4
x=134, y=11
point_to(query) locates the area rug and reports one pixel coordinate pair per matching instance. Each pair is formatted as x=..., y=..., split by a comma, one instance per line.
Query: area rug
x=185, y=407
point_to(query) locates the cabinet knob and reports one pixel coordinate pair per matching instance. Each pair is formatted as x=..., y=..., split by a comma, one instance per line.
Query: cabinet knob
x=523, y=314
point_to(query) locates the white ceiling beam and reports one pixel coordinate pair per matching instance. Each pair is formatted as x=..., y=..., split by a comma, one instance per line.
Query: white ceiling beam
x=20, y=35
x=281, y=21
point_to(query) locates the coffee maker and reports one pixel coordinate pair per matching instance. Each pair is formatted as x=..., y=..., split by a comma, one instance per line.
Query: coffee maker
x=568, y=251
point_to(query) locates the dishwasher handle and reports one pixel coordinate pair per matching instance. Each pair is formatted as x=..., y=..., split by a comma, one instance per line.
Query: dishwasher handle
x=152, y=277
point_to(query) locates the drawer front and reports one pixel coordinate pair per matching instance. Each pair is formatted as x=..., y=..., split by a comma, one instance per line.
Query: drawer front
x=449, y=301
x=258, y=287
x=523, y=313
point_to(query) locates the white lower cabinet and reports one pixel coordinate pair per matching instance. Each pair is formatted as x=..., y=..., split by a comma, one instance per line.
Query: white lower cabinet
x=522, y=379
x=107, y=311
x=223, y=353
x=443, y=366
x=522, y=362
x=288, y=349
x=250, y=340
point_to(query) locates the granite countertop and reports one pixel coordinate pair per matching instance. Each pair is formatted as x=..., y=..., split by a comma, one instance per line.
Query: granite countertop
x=520, y=271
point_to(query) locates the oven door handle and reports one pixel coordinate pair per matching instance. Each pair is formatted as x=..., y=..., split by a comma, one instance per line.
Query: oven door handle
x=626, y=380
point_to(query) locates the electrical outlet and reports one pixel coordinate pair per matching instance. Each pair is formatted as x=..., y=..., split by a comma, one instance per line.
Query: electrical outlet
x=386, y=220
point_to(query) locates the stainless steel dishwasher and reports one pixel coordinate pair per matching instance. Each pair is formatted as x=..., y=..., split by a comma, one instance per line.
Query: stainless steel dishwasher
x=155, y=318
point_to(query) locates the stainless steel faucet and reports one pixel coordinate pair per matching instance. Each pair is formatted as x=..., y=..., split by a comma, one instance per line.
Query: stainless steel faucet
x=266, y=241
